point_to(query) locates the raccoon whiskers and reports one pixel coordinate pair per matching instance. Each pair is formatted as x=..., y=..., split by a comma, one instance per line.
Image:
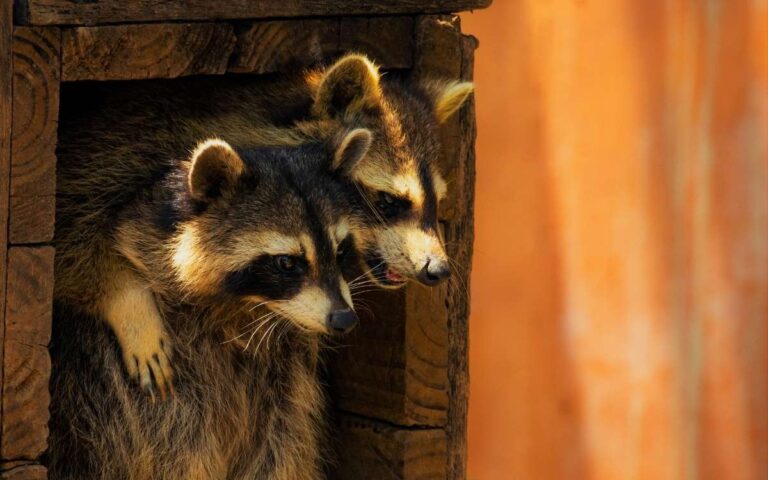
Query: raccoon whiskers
x=370, y=205
x=267, y=333
x=458, y=275
x=259, y=327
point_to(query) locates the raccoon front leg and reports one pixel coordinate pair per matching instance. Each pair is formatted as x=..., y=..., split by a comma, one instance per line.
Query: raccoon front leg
x=130, y=309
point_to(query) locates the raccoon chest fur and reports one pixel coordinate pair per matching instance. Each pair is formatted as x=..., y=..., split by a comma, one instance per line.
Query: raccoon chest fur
x=234, y=414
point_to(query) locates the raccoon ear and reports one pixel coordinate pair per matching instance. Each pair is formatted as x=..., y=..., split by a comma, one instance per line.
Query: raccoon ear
x=352, y=147
x=449, y=97
x=215, y=167
x=349, y=85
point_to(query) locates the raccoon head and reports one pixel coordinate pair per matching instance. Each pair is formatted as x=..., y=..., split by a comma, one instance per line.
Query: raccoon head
x=267, y=228
x=398, y=180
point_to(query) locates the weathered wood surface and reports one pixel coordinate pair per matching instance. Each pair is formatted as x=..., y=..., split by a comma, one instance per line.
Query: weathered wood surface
x=369, y=449
x=442, y=51
x=26, y=363
x=6, y=102
x=32, y=219
x=22, y=470
x=68, y=12
x=132, y=52
x=36, y=66
x=394, y=367
x=135, y=52
x=281, y=45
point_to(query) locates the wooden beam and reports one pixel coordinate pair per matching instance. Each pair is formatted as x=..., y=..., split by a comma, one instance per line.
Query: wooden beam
x=394, y=367
x=370, y=449
x=26, y=363
x=36, y=53
x=67, y=12
x=134, y=52
x=284, y=45
x=6, y=115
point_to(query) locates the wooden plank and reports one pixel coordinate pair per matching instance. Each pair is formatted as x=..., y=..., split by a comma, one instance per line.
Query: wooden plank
x=67, y=12
x=36, y=53
x=133, y=52
x=394, y=367
x=442, y=51
x=369, y=449
x=282, y=45
x=26, y=362
x=22, y=471
x=6, y=102
x=32, y=219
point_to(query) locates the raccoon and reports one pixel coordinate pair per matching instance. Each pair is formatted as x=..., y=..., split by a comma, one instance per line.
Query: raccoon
x=398, y=180
x=196, y=257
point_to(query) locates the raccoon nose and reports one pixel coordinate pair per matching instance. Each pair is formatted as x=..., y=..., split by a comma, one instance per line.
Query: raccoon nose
x=342, y=321
x=433, y=272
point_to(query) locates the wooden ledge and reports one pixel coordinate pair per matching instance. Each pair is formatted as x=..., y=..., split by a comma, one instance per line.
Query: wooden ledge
x=68, y=12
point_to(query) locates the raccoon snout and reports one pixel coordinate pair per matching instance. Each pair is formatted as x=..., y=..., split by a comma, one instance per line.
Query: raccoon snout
x=434, y=272
x=342, y=321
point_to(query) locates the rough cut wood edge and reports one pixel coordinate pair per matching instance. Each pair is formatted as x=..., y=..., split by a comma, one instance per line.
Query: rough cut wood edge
x=445, y=52
x=282, y=45
x=6, y=115
x=26, y=362
x=22, y=471
x=369, y=449
x=67, y=12
x=133, y=52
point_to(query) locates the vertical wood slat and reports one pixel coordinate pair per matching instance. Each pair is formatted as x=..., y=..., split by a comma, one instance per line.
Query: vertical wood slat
x=33, y=71
x=6, y=76
x=26, y=363
x=36, y=71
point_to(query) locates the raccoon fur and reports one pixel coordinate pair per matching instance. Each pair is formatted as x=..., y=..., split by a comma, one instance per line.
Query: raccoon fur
x=223, y=260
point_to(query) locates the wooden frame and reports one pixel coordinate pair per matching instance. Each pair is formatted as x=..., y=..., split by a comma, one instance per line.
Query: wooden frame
x=401, y=387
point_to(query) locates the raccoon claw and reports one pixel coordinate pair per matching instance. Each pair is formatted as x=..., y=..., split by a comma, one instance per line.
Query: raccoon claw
x=152, y=370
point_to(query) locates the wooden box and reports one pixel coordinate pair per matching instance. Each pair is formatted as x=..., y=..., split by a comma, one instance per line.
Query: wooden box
x=400, y=387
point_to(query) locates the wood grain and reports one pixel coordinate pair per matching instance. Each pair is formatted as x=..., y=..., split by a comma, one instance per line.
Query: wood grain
x=33, y=147
x=133, y=52
x=22, y=471
x=26, y=362
x=35, y=110
x=370, y=449
x=6, y=102
x=443, y=52
x=394, y=367
x=67, y=12
x=282, y=45
x=32, y=219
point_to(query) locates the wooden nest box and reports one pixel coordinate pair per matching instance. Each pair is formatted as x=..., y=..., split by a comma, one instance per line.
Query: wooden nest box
x=400, y=387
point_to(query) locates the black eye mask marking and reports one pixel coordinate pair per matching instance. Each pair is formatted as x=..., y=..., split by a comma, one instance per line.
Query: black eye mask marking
x=392, y=207
x=268, y=277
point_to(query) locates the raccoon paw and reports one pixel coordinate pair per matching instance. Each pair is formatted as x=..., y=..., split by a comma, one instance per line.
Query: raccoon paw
x=149, y=364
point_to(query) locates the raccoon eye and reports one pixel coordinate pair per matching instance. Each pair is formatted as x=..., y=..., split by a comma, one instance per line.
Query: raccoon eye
x=285, y=263
x=343, y=249
x=391, y=206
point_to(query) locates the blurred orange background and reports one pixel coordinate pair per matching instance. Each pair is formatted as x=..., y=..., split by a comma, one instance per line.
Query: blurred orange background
x=619, y=324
